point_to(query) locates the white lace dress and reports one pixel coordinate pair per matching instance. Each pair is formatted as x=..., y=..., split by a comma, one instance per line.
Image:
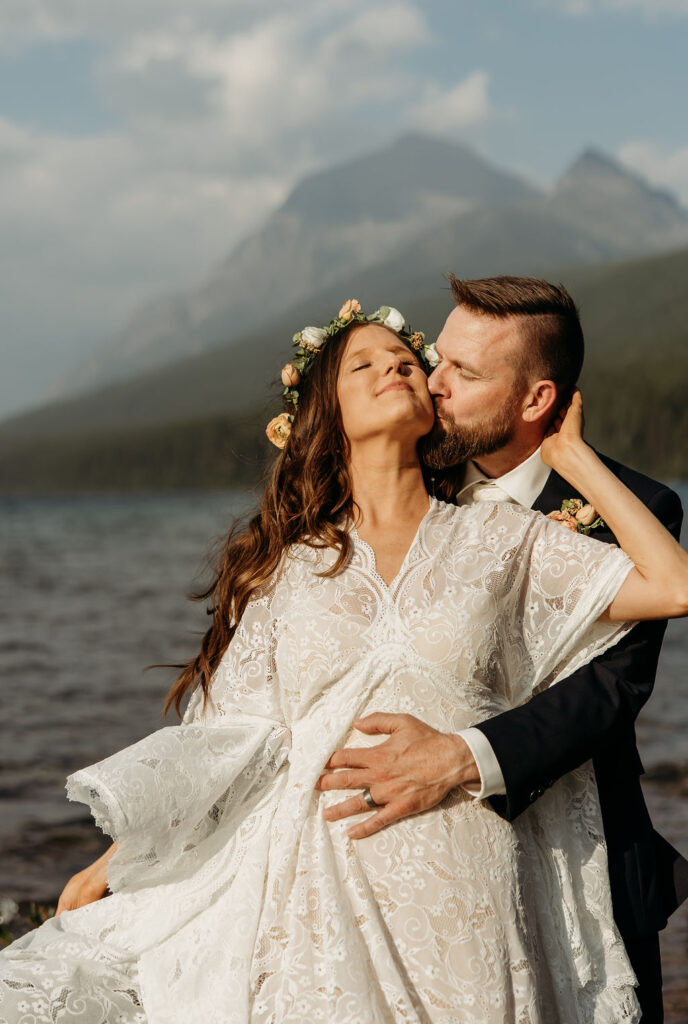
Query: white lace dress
x=235, y=901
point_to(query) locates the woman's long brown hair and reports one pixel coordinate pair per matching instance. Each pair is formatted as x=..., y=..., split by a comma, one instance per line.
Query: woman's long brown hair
x=308, y=492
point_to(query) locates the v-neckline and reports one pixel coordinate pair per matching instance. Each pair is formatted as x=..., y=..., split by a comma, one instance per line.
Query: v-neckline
x=389, y=587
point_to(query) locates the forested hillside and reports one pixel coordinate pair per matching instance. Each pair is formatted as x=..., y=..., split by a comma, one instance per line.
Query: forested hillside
x=177, y=427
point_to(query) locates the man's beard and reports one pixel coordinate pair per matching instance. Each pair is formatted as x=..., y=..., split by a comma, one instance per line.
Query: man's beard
x=449, y=445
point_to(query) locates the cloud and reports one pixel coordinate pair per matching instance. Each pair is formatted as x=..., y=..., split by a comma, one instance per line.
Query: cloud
x=25, y=22
x=221, y=106
x=91, y=228
x=661, y=166
x=259, y=85
x=650, y=8
x=445, y=110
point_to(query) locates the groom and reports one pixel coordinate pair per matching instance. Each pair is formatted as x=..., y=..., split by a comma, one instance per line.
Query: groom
x=510, y=354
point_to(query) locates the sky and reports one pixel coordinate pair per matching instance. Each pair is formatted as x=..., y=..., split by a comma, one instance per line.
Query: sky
x=141, y=140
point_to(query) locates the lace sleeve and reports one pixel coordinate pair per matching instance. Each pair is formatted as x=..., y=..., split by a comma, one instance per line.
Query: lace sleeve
x=560, y=584
x=165, y=796
x=246, y=680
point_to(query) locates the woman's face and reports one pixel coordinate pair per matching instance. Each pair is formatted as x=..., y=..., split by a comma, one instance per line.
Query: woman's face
x=382, y=388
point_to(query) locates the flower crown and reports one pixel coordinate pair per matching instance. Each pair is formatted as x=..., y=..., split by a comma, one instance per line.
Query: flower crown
x=310, y=341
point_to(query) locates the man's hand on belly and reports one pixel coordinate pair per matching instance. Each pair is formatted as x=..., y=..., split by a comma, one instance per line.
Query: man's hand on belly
x=408, y=773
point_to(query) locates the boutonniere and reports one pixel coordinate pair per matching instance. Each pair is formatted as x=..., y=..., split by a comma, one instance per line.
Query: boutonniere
x=575, y=515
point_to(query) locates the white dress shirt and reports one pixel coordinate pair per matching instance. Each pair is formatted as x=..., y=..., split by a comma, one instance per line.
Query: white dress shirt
x=522, y=485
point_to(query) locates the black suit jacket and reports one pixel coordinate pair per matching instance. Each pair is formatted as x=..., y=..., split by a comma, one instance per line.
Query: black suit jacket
x=591, y=714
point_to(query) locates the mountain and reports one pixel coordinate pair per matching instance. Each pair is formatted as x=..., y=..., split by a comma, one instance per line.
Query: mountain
x=333, y=224
x=239, y=377
x=616, y=207
x=398, y=217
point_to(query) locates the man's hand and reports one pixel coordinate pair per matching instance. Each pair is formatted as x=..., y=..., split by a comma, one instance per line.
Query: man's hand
x=409, y=772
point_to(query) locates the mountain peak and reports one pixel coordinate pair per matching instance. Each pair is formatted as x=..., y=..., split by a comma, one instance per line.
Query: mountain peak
x=594, y=167
x=594, y=160
x=422, y=141
x=618, y=206
x=385, y=184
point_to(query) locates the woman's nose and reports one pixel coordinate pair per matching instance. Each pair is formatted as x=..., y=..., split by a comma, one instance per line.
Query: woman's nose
x=396, y=364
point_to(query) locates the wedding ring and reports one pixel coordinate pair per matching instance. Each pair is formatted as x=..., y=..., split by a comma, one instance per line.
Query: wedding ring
x=369, y=800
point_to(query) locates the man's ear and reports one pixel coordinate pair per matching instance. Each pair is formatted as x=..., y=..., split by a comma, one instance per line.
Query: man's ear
x=540, y=402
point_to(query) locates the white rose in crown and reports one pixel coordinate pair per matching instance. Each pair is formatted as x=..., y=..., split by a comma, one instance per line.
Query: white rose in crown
x=313, y=338
x=432, y=355
x=392, y=318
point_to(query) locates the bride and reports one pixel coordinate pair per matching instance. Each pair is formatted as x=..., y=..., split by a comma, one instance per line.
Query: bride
x=353, y=591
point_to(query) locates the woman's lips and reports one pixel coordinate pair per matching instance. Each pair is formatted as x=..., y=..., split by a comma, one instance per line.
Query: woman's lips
x=397, y=386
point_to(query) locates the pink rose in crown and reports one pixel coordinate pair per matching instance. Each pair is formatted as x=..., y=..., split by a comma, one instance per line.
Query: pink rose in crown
x=279, y=429
x=290, y=376
x=350, y=307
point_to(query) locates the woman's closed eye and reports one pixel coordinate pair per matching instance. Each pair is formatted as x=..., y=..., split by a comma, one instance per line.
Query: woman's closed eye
x=406, y=362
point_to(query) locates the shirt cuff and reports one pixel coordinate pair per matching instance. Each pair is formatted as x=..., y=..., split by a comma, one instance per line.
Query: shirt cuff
x=491, y=778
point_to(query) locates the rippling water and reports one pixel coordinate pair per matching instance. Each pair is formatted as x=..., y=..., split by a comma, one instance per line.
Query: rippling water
x=93, y=590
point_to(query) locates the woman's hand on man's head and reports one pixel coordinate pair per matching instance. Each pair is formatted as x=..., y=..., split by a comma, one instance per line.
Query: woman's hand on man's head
x=564, y=440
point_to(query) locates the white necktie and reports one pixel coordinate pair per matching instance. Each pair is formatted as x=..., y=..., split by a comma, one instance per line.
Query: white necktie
x=483, y=490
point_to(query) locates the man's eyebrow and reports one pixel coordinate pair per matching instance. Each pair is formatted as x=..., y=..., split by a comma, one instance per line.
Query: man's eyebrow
x=467, y=366
x=463, y=364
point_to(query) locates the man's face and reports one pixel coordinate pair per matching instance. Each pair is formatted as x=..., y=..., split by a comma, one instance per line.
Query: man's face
x=477, y=388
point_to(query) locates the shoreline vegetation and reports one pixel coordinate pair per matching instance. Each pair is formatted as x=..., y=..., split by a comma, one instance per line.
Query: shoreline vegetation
x=204, y=454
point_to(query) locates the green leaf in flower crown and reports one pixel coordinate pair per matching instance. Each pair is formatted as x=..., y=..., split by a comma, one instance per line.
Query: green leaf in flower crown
x=383, y=311
x=297, y=338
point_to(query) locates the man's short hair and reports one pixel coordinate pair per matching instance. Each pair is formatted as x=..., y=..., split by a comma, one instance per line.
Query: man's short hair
x=552, y=339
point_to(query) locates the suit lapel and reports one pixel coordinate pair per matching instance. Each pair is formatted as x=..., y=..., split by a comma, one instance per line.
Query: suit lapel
x=556, y=489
